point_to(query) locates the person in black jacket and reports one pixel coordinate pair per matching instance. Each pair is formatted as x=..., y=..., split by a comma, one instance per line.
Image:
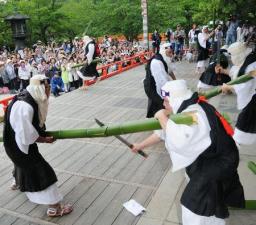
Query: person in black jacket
x=216, y=73
x=156, y=41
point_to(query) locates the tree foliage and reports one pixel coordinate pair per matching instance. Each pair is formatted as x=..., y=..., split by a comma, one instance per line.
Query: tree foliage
x=63, y=19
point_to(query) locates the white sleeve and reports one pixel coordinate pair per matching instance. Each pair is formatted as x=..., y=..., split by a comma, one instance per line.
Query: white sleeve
x=90, y=53
x=245, y=91
x=201, y=40
x=160, y=134
x=159, y=74
x=21, y=121
x=185, y=143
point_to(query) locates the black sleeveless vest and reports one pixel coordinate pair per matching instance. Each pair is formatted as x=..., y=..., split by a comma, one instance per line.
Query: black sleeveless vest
x=90, y=70
x=249, y=60
x=245, y=122
x=155, y=101
x=87, y=49
x=214, y=182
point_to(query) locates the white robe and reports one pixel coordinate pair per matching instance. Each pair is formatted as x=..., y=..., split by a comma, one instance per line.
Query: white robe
x=244, y=93
x=25, y=134
x=202, y=38
x=184, y=144
x=160, y=75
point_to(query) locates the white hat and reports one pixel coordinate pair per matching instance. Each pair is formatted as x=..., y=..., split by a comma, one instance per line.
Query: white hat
x=36, y=80
x=205, y=27
x=163, y=48
x=225, y=47
x=239, y=52
x=166, y=45
x=86, y=39
x=176, y=91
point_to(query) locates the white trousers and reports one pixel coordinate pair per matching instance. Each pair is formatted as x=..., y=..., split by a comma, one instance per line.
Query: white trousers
x=190, y=218
x=48, y=196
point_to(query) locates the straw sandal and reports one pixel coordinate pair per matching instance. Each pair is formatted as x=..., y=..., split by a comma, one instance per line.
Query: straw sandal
x=59, y=211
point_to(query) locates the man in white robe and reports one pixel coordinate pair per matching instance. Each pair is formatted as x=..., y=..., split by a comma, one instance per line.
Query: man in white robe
x=89, y=71
x=244, y=62
x=205, y=149
x=203, y=49
x=24, y=126
x=158, y=71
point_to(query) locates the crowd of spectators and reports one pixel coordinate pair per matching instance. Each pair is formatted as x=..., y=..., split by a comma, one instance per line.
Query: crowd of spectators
x=230, y=31
x=56, y=61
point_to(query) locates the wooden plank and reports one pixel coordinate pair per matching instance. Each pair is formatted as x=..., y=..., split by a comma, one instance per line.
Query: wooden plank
x=107, y=163
x=155, y=175
x=99, y=204
x=97, y=161
x=119, y=165
x=7, y=219
x=114, y=208
x=130, y=168
x=146, y=166
x=84, y=202
x=66, y=154
x=90, y=156
x=53, y=151
x=7, y=194
x=142, y=196
x=80, y=153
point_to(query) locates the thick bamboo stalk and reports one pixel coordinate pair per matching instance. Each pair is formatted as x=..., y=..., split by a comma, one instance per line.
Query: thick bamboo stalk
x=252, y=166
x=249, y=205
x=217, y=90
x=125, y=128
x=82, y=64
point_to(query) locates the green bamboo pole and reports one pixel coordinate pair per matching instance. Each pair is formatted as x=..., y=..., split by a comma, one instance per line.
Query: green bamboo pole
x=124, y=128
x=252, y=166
x=82, y=64
x=217, y=90
x=250, y=204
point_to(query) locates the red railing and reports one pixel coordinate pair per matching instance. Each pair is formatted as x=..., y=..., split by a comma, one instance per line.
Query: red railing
x=119, y=68
x=5, y=102
x=131, y=63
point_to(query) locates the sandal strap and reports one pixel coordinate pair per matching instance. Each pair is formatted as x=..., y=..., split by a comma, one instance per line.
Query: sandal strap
x=52, y=211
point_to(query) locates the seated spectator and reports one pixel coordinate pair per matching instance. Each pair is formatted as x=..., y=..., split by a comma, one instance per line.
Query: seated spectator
x=57, y=85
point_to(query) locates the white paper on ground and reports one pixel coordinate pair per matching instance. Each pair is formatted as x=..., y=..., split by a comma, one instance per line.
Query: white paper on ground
x=134, y=207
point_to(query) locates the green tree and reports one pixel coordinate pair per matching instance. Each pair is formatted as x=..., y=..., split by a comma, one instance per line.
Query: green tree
x=62, y=19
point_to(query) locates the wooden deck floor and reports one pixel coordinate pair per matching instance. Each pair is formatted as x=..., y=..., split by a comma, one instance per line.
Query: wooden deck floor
x=98, y=175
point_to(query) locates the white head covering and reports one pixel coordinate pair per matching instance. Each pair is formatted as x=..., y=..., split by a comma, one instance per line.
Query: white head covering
x=225, y=47
x=164, y=46
x=178, y=92
x=37, y=90
x=204, y=27
x=86, y=39
x=167, y=59
x=239, y=52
